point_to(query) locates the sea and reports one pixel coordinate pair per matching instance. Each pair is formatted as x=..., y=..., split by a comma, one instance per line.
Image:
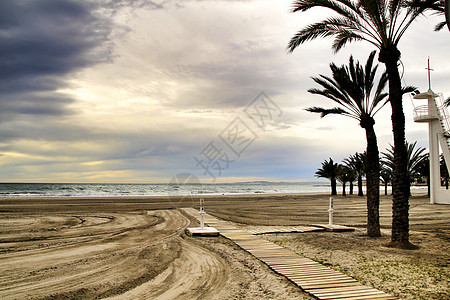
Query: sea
x=108, y=190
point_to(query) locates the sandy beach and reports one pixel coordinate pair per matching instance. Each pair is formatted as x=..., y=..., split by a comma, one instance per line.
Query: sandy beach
x=136, y=248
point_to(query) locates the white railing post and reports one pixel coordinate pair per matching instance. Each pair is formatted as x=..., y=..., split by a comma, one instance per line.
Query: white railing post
x=202, y=212
x=330, y=212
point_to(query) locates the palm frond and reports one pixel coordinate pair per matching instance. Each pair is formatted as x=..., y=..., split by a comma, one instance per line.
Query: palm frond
x=309, y=33
x=335, y=90
x=375, y=11
x=447, y=102
x=408, y=89
x=347, y=10
x=344, y=37
x=379, y=95
x=439, y=26
x=414, y=157
x=414, y=9
x=324, y=112
x=351, y=87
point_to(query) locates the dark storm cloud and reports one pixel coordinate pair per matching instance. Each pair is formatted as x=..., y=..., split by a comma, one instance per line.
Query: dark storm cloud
x=41, y=42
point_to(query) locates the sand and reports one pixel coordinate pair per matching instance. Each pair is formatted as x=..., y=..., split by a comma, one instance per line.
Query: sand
x=135, y=248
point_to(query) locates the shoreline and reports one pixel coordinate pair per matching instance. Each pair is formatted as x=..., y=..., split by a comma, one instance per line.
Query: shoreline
x=415, y=190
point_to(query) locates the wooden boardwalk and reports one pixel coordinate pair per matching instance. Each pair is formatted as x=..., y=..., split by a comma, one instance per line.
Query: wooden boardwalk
x=312, y=277
x=283, y=229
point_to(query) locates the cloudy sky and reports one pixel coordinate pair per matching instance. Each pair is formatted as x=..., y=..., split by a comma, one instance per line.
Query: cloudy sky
x=139, y=91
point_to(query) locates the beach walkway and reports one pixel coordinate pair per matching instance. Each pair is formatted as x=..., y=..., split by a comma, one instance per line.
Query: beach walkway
x=312, y=277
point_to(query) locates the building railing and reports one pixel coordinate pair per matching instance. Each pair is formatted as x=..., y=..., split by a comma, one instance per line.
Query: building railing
x=421, y=113
x=445, y=118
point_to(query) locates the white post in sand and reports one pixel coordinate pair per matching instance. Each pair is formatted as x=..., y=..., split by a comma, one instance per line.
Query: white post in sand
x=330, y=212
x=202, y=230
x=202, y=212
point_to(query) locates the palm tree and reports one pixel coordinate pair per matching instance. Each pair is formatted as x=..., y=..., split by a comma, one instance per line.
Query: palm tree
x=352, y=176
x=382, y=23
x=414, y=157
x=386, y=176
x=356, y=163
x=329, y=170
x=343, y=176
x=424, y=170
x=351, y=88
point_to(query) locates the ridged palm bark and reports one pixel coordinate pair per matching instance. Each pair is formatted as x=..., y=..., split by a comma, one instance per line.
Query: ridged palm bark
x=381, y=23
x=351, y=87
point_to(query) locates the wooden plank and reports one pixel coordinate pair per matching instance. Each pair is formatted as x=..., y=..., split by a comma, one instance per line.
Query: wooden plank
x=320, y=277
x=341, y=289
x=305, y=266
x=372, y=297
x=312, y=287
x=311, y=275
x=313, y=281
x=295, y=273
x=367, y=291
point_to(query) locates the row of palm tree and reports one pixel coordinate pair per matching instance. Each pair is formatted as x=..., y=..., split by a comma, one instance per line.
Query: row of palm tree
x=381, y=23
x=354, y=168
x=357, y=166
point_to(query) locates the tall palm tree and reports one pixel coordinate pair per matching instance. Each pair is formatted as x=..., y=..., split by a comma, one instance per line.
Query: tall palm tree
x=357, y=164
x=382, y=23
x=329, y=170
x=351, y=88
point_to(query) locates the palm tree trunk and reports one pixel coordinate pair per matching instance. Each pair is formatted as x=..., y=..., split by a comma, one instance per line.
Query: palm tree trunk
x=351, y=188
x=400, y=183
x=333, y=186
x=373, y=183
x=343, y=189
x=360, y=189
x=385, y=188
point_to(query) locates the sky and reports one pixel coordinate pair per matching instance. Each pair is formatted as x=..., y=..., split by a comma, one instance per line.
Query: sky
x=117, y=91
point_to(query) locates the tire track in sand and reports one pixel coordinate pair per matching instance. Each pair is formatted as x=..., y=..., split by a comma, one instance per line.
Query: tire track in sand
x=137, y=260
x=196, y=274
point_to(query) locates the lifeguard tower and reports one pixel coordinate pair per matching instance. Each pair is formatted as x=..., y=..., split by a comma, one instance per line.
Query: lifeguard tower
x=435, y=114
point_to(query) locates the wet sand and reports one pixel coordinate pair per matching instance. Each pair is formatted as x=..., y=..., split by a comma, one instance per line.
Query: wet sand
x=135, y=248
